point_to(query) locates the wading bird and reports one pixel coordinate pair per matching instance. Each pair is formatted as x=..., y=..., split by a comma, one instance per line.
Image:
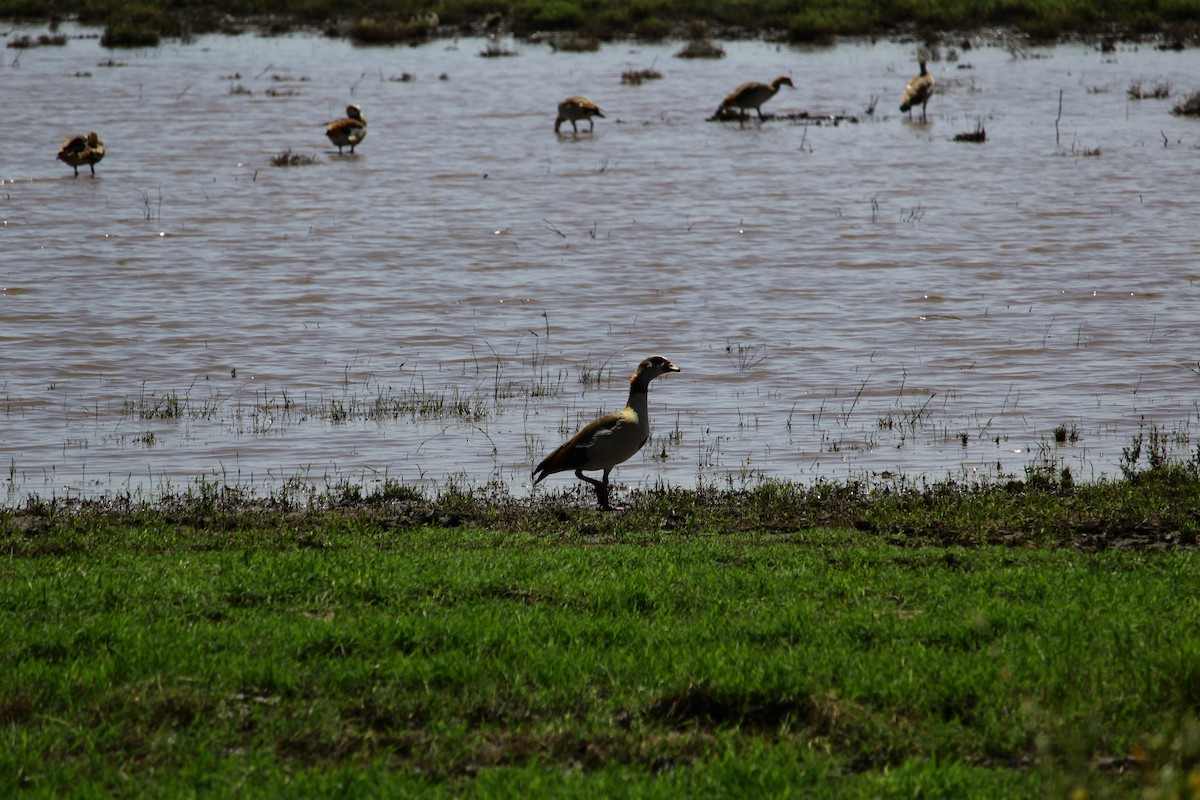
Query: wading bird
x=348, y=131
x=79, y=150
x=918, y=91
x=577, y=108
x=753, y=95
x=613, y=438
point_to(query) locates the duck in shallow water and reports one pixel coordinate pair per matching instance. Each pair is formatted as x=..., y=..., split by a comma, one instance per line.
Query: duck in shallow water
x=753, y=95
x=348, y=131
x=80, y=150
x=577, y=108
x=917, y=92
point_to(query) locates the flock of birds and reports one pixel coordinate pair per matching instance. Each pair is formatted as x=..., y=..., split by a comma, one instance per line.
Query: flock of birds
x=88, y=150
x=616, y=437
x=749, y=96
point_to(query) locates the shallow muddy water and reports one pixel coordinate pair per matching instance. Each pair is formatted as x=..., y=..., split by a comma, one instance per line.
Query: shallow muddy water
x=449, y=303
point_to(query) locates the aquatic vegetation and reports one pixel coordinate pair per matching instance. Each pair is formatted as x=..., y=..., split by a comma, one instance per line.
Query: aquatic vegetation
x=745, y=357
x=1159, y=91
x=390, y=30
x=1189, y=106
x=979, y=135
x=635, y=77
x=288, y=158
x=701, y=48
x=496, y=49
x=43, y=40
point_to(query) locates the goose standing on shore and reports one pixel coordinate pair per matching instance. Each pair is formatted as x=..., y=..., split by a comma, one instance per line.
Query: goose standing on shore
x=613, y=438
x=918, y=91
x=348, y=131
x=753, y=95
x=577, y=108
x=80, y=150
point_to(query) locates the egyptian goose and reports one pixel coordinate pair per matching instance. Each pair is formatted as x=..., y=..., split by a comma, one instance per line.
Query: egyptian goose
x=918, y=90
x=577, y=108
x=348, y=131
x=613, y=438
x=753, y=95
x=79, y=150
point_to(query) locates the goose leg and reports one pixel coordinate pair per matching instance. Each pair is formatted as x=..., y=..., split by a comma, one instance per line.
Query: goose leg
x=603, y=491
x=601, y=487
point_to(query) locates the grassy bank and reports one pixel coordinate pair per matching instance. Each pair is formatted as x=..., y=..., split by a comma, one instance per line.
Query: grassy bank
x=141, y=23
x=1017, y=640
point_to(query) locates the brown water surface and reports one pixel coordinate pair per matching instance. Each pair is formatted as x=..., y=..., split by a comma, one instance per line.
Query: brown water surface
x=449, y=303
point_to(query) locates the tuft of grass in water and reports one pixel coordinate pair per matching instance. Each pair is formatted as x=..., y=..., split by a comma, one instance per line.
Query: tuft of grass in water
x=1063, y=434
x=1077, y=150
x=575, y=44
x=1161, y=90
x=1189, y=106
x=593, y=375
x=979, y=135
x=701, y=48
x=387, y=29
x=287, y=158
x=745, y=357
x=169, y=406
x=636, y=77
x=25, y=42
x=495, y=49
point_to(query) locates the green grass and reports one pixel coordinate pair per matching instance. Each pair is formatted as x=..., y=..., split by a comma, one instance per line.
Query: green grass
x=831, y=641
x=137, y=24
